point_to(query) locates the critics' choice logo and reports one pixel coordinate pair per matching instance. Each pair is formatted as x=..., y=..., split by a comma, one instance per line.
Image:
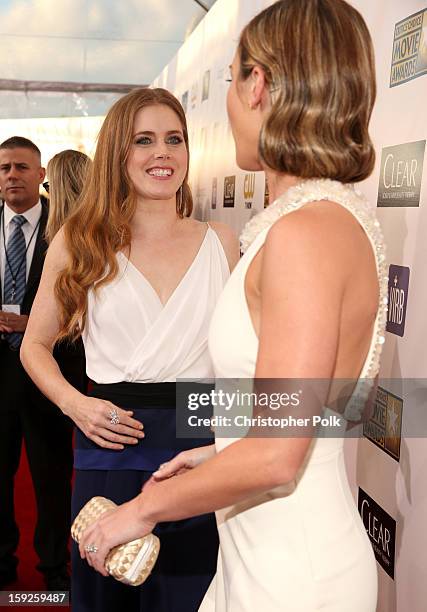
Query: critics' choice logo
x=229, y=191
x=249, y=189
x=409, y=59
x=385, y=425
x=401, y=174
x=381, y=529
x=398, y=285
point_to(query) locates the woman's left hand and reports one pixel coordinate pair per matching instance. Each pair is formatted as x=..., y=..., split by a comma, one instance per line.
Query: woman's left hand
x=115, y=527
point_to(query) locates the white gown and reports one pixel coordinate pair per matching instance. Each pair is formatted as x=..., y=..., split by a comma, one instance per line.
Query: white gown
x=300, y=547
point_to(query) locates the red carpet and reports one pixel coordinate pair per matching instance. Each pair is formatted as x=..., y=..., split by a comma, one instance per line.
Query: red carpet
x=29, y=579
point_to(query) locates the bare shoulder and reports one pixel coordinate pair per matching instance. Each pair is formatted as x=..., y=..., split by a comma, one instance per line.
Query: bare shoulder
x=323, y=233
x=225, y=233
x=228, y=240
x=323, y=224
x=57, y=256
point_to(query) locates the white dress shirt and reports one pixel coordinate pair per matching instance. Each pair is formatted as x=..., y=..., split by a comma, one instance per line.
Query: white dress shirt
x=33, y=216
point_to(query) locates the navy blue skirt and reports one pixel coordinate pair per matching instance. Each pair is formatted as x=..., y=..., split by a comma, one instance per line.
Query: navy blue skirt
x=188, y=551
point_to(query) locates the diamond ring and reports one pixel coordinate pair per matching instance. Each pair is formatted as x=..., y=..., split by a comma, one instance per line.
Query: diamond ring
x=114, y=417
x=91, y=548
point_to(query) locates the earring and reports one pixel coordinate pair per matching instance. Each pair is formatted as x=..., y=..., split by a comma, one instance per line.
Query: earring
x=121, y=232
x=180, y=200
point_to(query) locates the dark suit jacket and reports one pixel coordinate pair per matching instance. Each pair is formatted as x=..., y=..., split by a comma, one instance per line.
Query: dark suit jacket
x=36, y=267
x=70, y=357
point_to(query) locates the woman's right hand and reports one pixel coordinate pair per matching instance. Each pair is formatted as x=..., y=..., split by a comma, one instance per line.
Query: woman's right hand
x=184, y=461
x=94, y=418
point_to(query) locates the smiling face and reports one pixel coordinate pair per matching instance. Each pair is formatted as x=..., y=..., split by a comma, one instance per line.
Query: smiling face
x=245, y=123
x=158, y=158
x=20, y=177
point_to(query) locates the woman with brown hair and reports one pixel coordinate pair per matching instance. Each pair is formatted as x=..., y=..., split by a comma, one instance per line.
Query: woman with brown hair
x=307, y=302
x=138, y=278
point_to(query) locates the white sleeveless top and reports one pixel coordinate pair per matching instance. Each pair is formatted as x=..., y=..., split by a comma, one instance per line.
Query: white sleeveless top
x=232, y=340
x=131, y=336
x=301, y=547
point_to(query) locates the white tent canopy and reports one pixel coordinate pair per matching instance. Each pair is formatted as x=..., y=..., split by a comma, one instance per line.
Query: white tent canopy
x=101, y=42
x=65, y=62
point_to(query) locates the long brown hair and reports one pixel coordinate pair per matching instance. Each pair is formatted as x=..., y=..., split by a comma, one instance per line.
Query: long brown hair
x=67, y=172
x=318, y=59
x=100, y=225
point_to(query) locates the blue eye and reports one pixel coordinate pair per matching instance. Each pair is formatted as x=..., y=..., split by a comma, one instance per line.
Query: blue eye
x=174, y=140
x=143, y=140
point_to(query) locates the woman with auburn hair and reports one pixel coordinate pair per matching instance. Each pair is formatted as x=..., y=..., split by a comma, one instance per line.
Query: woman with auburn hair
x=67, y=172
x=138, y=279
x=304, y=309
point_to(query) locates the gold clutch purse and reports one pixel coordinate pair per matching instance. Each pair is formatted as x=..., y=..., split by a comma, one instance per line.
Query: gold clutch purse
x=130, y=563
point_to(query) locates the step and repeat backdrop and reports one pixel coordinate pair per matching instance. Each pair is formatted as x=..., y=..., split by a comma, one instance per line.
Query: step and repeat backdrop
x=388, y=463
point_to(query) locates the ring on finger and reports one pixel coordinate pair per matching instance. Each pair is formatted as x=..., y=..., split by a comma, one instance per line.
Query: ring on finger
x=91, y=548
x=114, y=417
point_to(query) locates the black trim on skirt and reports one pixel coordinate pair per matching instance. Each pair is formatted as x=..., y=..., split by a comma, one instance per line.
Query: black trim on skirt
x=160, y=395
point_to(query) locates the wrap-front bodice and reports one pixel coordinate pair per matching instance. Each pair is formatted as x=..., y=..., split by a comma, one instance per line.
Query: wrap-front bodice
x=131, y=336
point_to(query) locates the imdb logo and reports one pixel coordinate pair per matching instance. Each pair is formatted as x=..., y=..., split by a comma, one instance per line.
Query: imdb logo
x=385, y=425
x=409, y=59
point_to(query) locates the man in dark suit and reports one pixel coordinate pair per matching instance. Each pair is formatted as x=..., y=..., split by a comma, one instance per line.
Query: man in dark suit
x=25, y=414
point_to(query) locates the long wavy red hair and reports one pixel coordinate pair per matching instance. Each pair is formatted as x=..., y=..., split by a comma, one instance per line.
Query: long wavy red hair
x=100, y=225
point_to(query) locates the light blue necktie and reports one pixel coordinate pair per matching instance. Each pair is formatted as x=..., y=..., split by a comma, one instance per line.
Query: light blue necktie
x=15, y=272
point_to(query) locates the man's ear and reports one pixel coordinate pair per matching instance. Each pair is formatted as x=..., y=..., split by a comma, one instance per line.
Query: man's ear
x=257, y=87
x=42, y=174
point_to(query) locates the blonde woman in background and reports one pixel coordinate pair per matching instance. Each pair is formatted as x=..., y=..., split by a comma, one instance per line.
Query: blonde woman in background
x=67, y=173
